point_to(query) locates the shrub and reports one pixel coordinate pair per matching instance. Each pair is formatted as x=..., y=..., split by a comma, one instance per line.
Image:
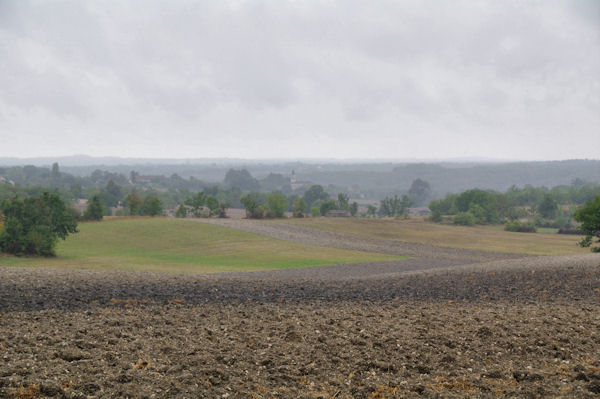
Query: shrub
x=519, y=227
x=436, y=216
x=465, y=219
x=567, y=230
x=314, y=211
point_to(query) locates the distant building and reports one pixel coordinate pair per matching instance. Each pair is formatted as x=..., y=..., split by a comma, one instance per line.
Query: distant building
x=296, y=184
x=4, y=180
x=80, y=205
x=337, y=213
x=419, y=211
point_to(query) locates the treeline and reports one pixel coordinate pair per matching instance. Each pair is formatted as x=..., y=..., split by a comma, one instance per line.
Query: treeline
x=540, y=206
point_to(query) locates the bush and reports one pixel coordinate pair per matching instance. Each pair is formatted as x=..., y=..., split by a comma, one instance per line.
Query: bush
x=314, y=211
x=436, y=216
x=465, y=219
x=567, y=230
x=519, y=227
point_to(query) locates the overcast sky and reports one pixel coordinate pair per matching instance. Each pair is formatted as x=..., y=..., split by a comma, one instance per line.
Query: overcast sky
x=301, y=79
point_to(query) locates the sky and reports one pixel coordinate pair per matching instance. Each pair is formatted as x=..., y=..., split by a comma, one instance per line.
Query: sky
x=345, y=79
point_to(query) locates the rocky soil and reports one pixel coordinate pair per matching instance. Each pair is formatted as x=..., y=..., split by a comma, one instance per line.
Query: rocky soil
x=431, y=326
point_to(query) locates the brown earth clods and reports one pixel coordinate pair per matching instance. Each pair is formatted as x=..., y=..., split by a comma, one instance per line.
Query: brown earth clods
x=425, y=327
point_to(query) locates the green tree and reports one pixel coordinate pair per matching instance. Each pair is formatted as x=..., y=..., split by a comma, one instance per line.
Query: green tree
x=353, y=208
x=419, y=191
x=94, y=209
x=181, y=212
x=314, y=211
x=33, y=226
x=277, y=204
x=394, y=206
x=197, y=201
x=589, y=217
x=547, y=207
x=465, y=219
x=253, y=203
x=134, y=203
x=241, y=179
x=55, y=172
x=299, y=206
x=371, y=211
x=327, y=206
x=314, y=194
x=222, y=209
x=343, y=201
x=212, y=203
x=152, y=206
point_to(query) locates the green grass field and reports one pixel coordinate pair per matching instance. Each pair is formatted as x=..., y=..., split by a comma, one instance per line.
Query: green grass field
x=170, y=245
x=485, y=238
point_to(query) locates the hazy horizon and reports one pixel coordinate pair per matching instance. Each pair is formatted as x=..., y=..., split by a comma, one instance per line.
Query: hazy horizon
x=339, y=80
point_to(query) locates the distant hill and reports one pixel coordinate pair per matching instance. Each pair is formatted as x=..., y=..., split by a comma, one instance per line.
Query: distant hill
x=371, y=179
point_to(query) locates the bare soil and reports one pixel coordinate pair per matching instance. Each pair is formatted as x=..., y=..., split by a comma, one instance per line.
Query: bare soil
x=461, y=326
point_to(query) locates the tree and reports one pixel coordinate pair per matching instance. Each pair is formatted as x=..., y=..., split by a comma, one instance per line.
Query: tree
x=197, y=201
x=212, y=203
x=152, y=206
x=253, y=203
x=33, y=226
x=241, y=179
x=371, y=211
x=95, y=209
x=181, y=212
x=394, y=206
x=547, y=207
x=299, y=206
x=353, y=208
x=589, y=217
x=419, y=191
x=343, y=201
x=134, y=203
x=277, y=204
x=55, y=171
x=222, y=209
x=327, y=206
x=314, y=194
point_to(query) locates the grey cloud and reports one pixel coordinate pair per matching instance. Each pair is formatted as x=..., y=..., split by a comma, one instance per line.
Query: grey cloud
x=337, y=69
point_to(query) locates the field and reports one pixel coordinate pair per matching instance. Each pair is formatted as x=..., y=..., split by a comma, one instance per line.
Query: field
x=447, y=321
x=485, y=238
x=169, y=245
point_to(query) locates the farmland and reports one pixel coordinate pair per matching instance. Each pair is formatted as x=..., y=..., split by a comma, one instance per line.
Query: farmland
x=123, y=312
